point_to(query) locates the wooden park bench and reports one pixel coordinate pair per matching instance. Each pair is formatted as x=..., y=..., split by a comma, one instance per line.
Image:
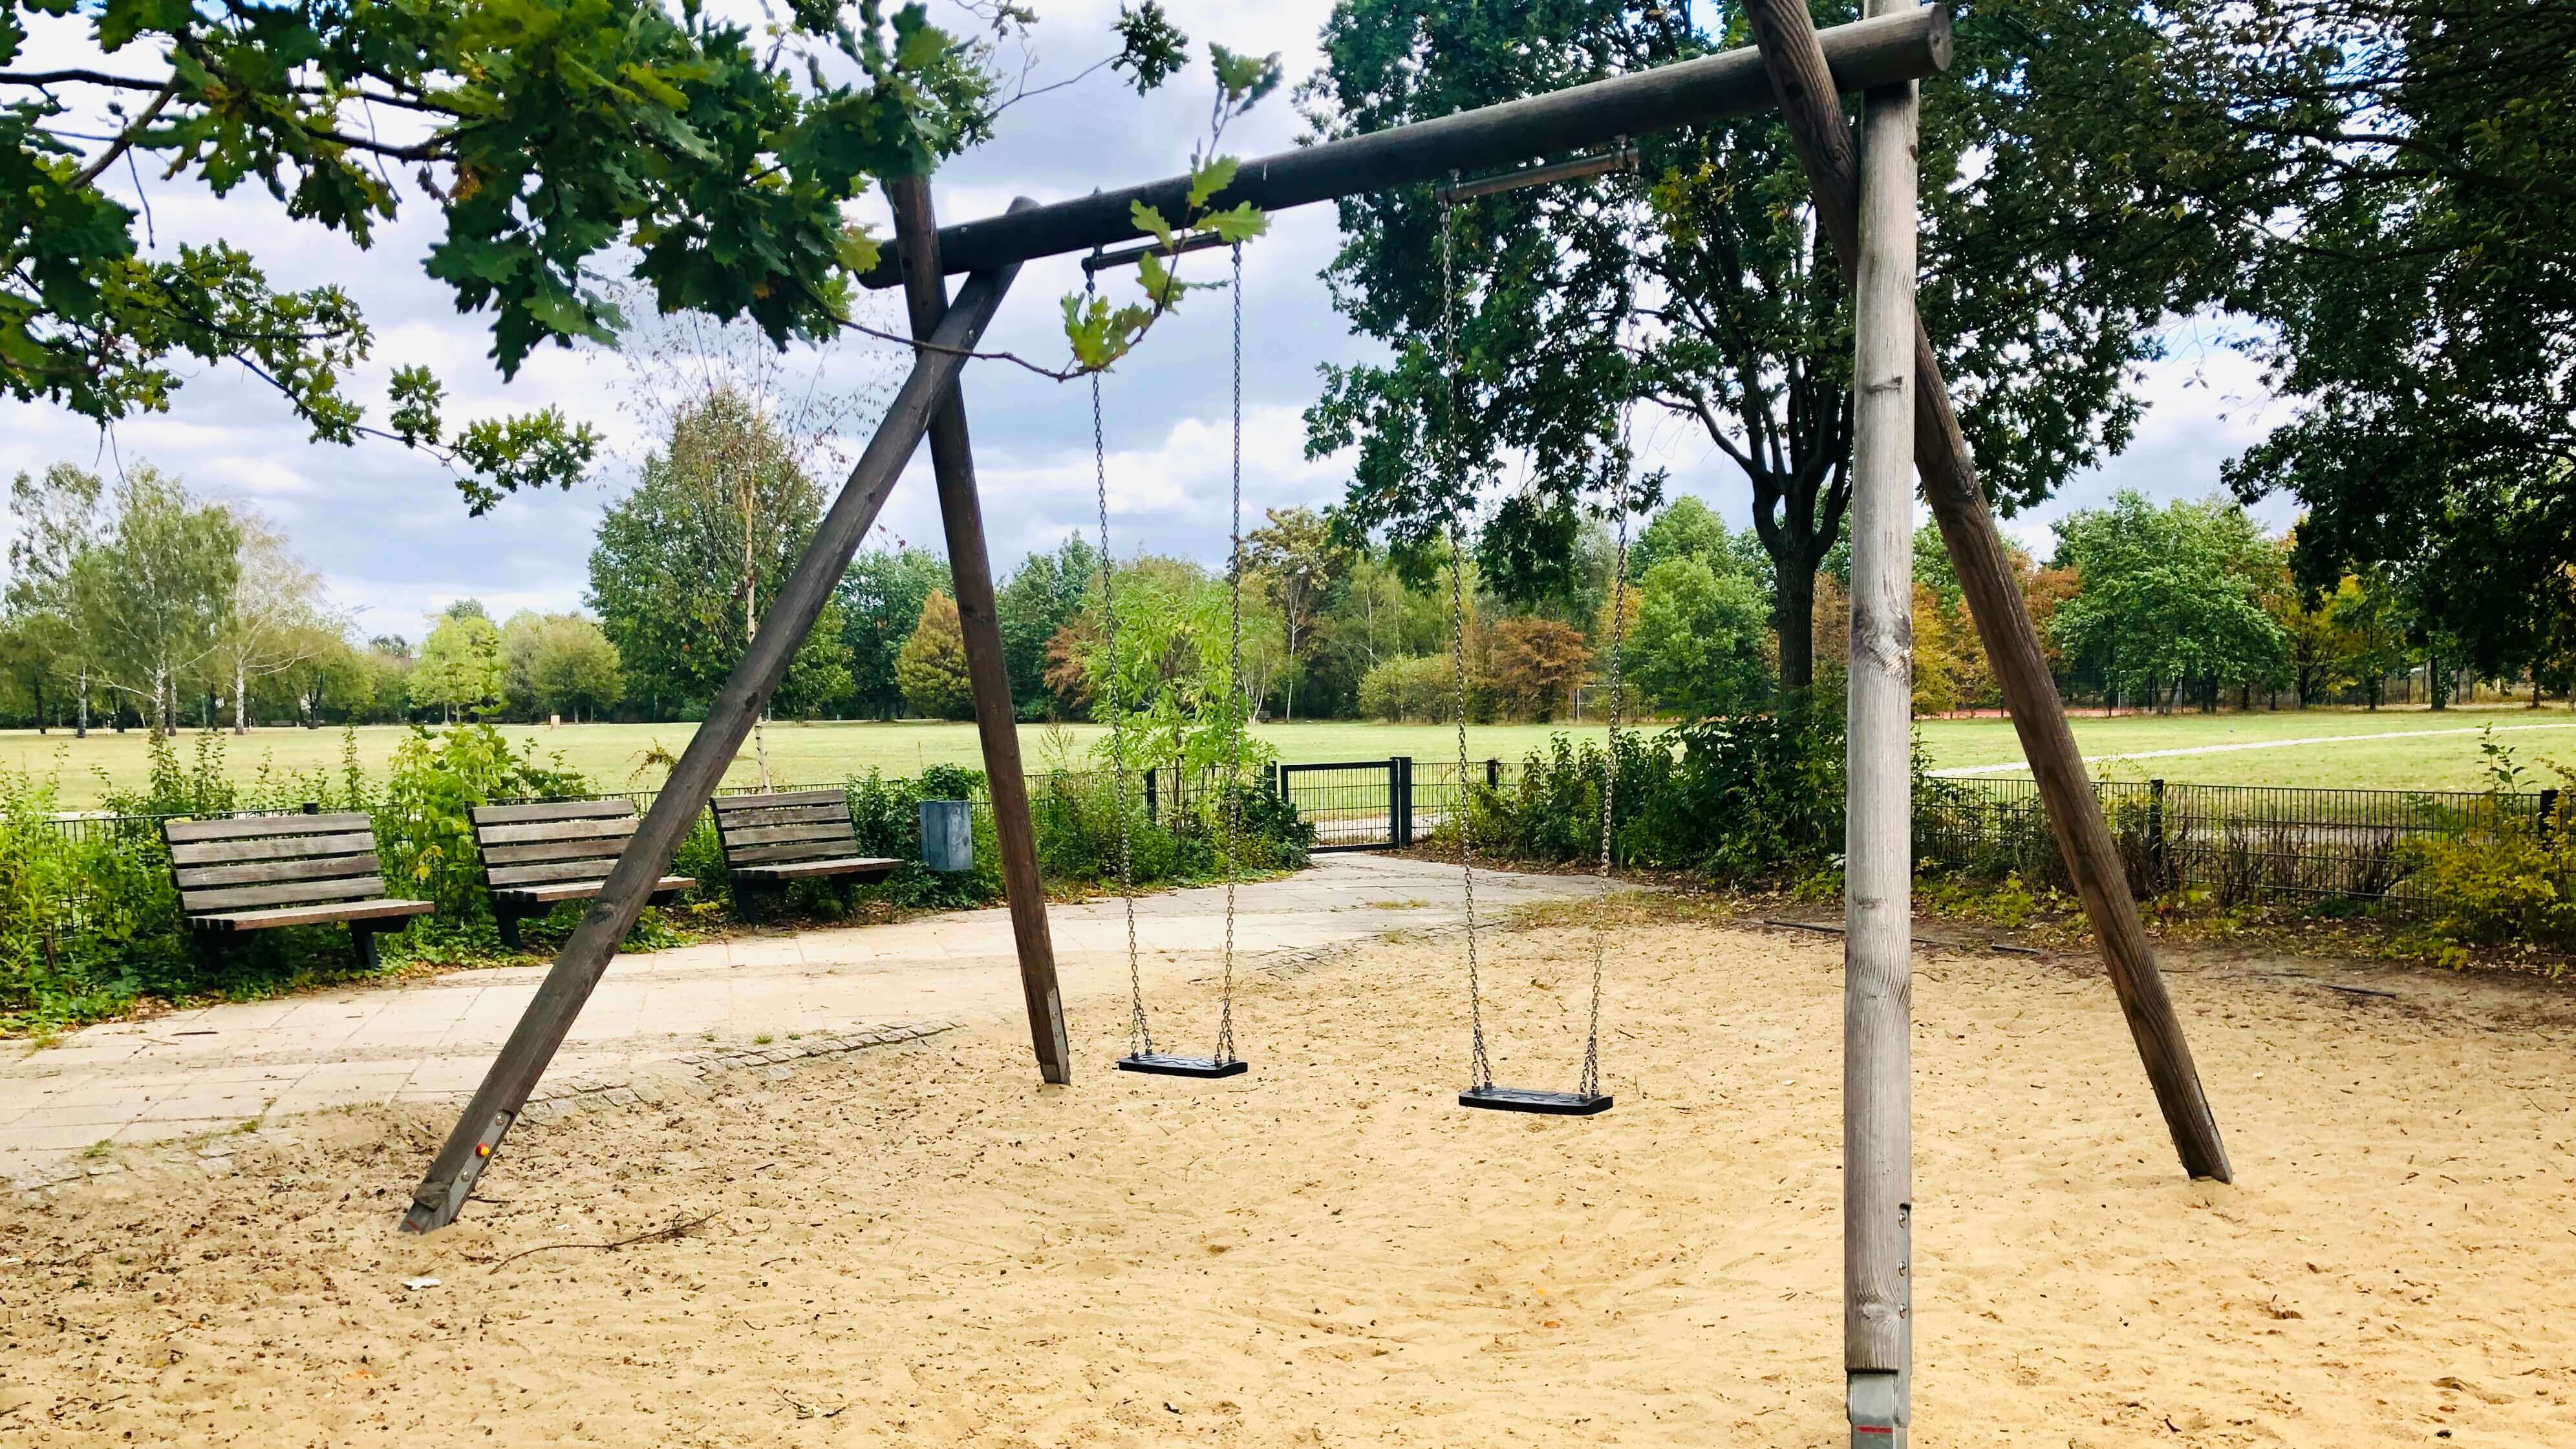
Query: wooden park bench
x=771, y=840
x=257, y=872
x=537, y=855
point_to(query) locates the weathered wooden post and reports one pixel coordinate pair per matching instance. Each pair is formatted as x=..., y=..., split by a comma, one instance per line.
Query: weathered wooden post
x=1796, y=63
x=1878, y=844
x=997, y=726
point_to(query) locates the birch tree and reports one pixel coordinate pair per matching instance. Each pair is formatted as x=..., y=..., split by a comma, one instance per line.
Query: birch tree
x=279, y=613
x=57, y=517
x=155, y=596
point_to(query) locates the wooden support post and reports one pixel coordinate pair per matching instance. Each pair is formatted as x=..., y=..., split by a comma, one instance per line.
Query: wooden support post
x=683, y=797
x=1786, y=36
x=997, y=725
x=1878, y=842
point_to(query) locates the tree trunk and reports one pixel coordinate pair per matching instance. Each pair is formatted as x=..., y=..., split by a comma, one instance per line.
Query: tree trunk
x=241, y=700
x=1797, y=625
x=2434, y=692
x=81, y=731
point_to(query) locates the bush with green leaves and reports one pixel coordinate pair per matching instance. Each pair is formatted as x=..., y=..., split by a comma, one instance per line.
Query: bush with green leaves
x=1736, y=797
x=2502, y=873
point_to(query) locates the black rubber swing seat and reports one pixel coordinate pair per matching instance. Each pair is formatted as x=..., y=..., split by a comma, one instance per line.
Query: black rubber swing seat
x=1547, y=1104
x=1160, y=1064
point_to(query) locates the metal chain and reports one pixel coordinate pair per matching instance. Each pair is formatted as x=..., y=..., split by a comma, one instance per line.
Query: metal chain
x=1480, y=1067
x=1231, y=830
x=1140, y=1038
x=1590, y=1082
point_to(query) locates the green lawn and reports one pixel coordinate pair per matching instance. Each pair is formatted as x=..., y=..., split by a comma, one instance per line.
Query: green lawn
x=2313, y=748
x=611, y=755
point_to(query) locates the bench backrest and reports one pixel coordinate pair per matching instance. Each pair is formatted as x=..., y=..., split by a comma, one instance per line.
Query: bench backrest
x=525, y=845
x=256, y=862
x=784, y=828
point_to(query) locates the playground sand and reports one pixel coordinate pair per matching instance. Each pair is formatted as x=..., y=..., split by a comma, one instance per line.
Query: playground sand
x=920, y=1247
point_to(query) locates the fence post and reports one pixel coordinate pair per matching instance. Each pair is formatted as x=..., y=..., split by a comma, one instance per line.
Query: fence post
x=1493, y=774
x=1149, y=795
x=2548, y=823
x=1399, y=801
x=2156, y=834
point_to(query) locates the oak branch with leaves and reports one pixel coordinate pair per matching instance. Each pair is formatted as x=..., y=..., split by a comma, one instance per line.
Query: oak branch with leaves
x=556, y=138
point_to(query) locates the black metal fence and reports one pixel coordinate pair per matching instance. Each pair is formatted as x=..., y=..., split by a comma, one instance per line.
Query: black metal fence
x=2242, y=843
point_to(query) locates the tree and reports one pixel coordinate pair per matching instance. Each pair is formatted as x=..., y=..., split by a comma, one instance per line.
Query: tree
x=2413, y=257
x=1374, y=618
x=574, y=669
x=1037, y=600
x=1688, y=528
x=551, y=140
x=1299, y=563
x=880, y=601
x=1535, y=665
x=56, y=519
x=460, y=665
x=153, y=598
x=2051, y=254
x=932, y=664
x=721, y=503
x=2169, y=596
x=278, y=612
x=1697, y=646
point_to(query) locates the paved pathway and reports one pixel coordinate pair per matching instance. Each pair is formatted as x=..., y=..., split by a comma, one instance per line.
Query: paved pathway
x=215, y=1068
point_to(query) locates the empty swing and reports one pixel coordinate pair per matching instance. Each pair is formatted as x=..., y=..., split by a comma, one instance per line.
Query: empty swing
x=1587, y=1099
x=1141, y=1054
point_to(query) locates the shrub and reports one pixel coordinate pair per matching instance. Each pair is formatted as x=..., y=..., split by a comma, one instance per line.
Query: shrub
x=1738, y=797
x=1423, y=689
x=2502, y=873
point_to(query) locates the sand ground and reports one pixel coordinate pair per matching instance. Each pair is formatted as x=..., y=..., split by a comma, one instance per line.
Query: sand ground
x=921, y=1247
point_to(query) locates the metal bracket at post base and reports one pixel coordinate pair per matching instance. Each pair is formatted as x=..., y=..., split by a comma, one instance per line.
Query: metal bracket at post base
x=1875, y=1402
x=436, y=1205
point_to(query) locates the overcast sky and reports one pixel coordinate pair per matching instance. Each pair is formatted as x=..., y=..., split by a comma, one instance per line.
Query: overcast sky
x=386, y=528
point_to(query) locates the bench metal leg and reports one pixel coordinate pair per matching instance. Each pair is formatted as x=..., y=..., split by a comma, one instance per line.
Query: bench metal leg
x=364, y=935
x=508, y=921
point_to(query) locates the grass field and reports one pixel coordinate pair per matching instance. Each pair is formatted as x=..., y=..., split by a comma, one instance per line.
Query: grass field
x=2429, y=750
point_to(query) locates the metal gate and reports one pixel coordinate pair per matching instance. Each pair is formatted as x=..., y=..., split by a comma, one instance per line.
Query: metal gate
x=1353, y=804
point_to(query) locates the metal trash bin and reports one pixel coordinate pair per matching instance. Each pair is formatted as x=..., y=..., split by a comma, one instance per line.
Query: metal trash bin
x=948, y=836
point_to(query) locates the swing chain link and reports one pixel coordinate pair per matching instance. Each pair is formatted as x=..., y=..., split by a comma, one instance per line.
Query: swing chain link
x=1230, y=829
x=1590, y=1083
x=1140, y=1038
x=1448, y=459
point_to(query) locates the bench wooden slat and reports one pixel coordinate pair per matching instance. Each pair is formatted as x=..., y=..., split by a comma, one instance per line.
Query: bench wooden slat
x=216, y=852
x=513, y=875
x=845, y=865
x=550, y=810
x=314, y=915
x=605, y=849
x=781, y=834
x=199, y=877
x=784, y=815
x=577, y=890
x=343, y=888
x=252, y=827
x=608, y=829
x=800, y=850
x=728, y=804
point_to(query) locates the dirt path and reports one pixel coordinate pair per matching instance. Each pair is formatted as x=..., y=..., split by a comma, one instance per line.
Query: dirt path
x=918, y=1247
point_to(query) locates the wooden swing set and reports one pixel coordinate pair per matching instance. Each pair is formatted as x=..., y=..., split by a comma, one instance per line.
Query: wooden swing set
x=1903, y=425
